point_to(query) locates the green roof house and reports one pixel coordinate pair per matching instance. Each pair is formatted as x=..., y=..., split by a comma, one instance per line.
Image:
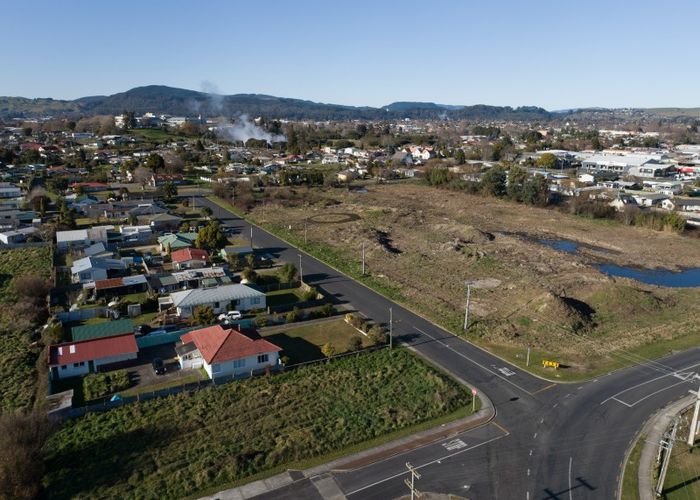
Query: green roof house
x=177, y=241
x=102, y=330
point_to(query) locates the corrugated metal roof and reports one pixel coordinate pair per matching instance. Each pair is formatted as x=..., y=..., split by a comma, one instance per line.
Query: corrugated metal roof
x=188, y=298
x=102, y=330
x=75, y=352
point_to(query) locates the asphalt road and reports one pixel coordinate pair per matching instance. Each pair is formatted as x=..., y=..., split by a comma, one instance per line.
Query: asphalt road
x=547, y=441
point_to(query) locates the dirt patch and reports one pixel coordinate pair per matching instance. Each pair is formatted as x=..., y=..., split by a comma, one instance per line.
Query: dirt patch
x=333, y=218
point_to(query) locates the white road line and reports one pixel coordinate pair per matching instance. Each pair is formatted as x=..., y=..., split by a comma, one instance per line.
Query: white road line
x=535, y=436
x=528, y=472
x=670, y=374
x=475, y=362
x=530, y=452
x=425, y=465
x=654, y=393
x=571, y=492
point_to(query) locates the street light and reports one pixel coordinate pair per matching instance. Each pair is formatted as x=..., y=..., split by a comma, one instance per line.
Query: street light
x=468, y=284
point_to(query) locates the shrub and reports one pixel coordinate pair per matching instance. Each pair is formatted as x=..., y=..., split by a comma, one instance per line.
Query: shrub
x=96, y=385
x=293, y=316
x=328, y=310
x=377, y=335
x=309, y=294
x=355, y=343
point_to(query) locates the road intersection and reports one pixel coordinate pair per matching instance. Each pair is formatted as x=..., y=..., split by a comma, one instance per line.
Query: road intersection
x=546, y=441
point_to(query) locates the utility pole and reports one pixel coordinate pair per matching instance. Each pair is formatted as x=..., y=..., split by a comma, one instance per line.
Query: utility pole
x=694, y=423
x=527, y=360
x=466, y=309
x=251, y=236
x=391, y=328
x=668, y=446
x=414, y=475
x=301, y=270
x=304, y=232
x=363, y=258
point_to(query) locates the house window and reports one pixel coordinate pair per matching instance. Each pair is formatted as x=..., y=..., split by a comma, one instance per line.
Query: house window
x=263, y=358
x=216, y=305
x=238, y=363
x=76, y=365
x=255, y=300
x=215, y=368
x=82, y=363
x=63, y=367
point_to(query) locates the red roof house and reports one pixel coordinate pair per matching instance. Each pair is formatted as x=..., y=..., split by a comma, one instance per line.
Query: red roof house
x=71, y=359
x=226, y=352
x=189, y=258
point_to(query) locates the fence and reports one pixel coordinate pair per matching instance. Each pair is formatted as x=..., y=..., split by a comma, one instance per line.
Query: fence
x=81, y=314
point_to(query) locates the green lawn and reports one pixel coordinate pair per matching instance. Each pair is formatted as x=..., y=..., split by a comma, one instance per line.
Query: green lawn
x=284, y=297
x=303, y=343
x=210, y=439
x=140, y=389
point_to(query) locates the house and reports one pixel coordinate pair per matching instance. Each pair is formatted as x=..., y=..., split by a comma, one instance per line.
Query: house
x=224, y=352
x=586, y=178
x=649, y=199
x=136, y=233
x=220, y=299
x=102, y=330
x=161, y=222
x=240, y=252
x=117, y=287
x=189, y=258
x=97, y=250
x=682, y=204
x=81, y=238
x=92, y=269
x=160, y=179
x=177, y=241
x=8, y=190
x=191, y=278
x=71, y=359
x=346, y=175
x=17, y=236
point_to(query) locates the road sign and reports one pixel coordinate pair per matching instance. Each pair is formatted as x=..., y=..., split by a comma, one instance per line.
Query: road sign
x=550, y=364
x=473, y=392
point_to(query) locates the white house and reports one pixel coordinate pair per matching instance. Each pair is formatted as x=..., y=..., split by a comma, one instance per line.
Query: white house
x=80, y=238
x=8, y=190
x=682, y=204
x=220, y=299
x=72, y=359
x=136, y=233
x=17, y=236
x=226, y=352
x=92, y=269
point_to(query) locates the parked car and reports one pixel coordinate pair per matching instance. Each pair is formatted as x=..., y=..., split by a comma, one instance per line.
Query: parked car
x=230, y=316
x=158, y=366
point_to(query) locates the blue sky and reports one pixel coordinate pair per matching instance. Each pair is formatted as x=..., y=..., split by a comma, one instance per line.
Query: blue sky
x=555, y=54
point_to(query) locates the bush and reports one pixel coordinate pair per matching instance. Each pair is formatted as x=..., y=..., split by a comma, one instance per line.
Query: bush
x=328, y=310
x=293, y=316
x=355, y=321
x=356, y=343
x=261, y=322
x=309, y=294
x=377, y=335
x=96, y=385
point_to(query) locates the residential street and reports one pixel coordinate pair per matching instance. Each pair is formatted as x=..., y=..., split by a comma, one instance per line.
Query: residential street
x=547, y=441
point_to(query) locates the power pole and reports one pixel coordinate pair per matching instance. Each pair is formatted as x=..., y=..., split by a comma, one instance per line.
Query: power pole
x=301, y=270
x=251, y=236
x=363, y=258
x=466, y=309
x=305, y=232
x=527, y=361
x=694, y=423
x=414, y=475
x=668, y=446
x=391, y=328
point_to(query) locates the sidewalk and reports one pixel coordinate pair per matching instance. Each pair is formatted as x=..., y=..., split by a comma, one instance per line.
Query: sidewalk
x=652, y=432
x=320, y=474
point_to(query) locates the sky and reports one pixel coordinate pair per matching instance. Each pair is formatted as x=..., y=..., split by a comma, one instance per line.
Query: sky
x=555, y=54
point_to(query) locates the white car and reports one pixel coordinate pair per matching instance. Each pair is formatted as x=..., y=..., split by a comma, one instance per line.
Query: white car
x=230, y=316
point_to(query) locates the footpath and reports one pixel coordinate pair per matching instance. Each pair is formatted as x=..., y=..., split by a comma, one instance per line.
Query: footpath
x=321, y=475
x=651, y=433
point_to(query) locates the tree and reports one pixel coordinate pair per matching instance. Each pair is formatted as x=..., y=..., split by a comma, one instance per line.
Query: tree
x=22, y=438
x=249, y=275
x=211, y=237
x=516, y=179
x=155, y=162
x=459, y=156
x=536, y=191
x=142, y=175
x=169, y=191
x=66, y=216
x=207, y=211
x=287, y=272
x=129, y=120
x=203, y=315
x=547, y=160
x=493, y=182
x=328, y=350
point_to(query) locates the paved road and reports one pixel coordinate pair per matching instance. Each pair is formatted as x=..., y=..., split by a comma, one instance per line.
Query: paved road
x=548, y=441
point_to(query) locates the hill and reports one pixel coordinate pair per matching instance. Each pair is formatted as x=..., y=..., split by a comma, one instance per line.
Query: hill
x=175, y=101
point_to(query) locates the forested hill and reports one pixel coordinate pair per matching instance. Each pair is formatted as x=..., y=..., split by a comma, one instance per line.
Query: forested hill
x=181, y=102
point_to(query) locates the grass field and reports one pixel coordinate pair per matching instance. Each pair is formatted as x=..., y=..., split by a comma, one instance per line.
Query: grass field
x=283, y=297
x=683, y=477
x=303, y=343
x=211, y=439
x=18, y=376
x=524, y=293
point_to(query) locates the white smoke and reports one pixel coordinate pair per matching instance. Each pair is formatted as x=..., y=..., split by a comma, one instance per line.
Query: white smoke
x=241, y=129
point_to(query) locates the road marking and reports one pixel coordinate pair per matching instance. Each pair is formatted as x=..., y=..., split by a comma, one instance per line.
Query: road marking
x=535, y=436
x=670, y=373
x=528, y=472
x=542, y=420
x=424, y=465
x=506, y=371
x=544, y=389
x=571, y=459
x=530, y=452
x=471, y=360
x=455, y=444
x=506, y=431
x=631, y=405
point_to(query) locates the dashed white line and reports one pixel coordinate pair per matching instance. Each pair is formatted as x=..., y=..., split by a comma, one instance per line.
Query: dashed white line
x=530, y=452
x=535, y=436
x=571, y=459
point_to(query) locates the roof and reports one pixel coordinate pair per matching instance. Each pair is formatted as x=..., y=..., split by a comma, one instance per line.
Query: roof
x=76, y=352
x=185, y=254
x=119, y=282
x=165, y=218
x=86, y=263
x=178, y=240
x=75, y=235
x=102, y=330
x=218, y=345
x=227, y=293
x=231, y=250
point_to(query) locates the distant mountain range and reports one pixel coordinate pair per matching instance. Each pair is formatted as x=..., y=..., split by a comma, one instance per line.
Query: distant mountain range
x=182, y=102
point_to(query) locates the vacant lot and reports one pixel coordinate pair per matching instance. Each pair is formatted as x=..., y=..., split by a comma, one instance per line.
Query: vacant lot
x=189, y=443
x=18, y=375
x=303, y=343
x=422, y=244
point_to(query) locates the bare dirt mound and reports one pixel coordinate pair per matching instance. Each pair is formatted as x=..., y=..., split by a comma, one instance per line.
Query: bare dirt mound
x=563, y=312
